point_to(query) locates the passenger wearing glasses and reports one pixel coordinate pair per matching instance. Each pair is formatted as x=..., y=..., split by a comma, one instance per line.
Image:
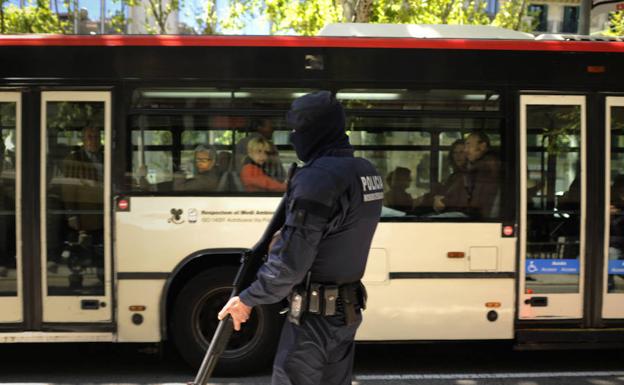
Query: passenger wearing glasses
x=206, y=175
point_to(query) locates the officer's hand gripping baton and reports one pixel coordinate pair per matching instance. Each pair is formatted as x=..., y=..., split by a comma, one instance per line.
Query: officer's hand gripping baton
x=250, y=263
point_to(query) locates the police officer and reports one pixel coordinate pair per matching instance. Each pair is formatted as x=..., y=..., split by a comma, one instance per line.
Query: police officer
x=334, y=203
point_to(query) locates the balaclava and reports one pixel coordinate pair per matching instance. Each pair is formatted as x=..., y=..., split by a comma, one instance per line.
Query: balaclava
x=318, y=124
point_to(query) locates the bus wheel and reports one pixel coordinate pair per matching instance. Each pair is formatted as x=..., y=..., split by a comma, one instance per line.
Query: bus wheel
x=194, y=321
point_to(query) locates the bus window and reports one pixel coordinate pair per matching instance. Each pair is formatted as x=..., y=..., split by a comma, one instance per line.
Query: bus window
x=8, y=276
x=615, y=280
x=413, y=151
x=207, y=154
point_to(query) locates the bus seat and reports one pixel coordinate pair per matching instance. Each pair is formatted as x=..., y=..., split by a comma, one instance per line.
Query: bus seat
x=230, y=181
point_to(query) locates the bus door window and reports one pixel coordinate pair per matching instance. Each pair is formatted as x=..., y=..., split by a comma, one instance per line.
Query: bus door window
x=8, y=263
x=74, y=198
x=553, y=199
x=615, y=279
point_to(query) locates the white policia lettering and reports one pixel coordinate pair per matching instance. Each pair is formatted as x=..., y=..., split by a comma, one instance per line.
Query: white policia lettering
x=372, y=183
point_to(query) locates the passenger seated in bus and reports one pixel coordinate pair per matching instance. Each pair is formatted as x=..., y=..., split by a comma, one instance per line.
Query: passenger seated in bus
x=83, y=188
x=397, y=197
x=261, y=128
x=476, y=192
x=252, y=174
x=459, y=163
x=206, y=174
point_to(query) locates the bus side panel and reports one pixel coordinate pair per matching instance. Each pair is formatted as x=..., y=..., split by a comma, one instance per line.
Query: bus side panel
x=418, y=291
x=438, y=309
x=159, y=232
x=139, y=325
x=424, y=247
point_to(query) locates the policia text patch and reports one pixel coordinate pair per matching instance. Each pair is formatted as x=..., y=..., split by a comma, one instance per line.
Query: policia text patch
x=372, y=187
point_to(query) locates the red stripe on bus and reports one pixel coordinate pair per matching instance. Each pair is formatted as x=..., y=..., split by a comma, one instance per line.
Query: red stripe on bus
x=309, y=42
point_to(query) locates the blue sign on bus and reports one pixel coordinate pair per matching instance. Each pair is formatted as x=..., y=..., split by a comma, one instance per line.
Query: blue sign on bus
x=552, y=266
x=616, y=267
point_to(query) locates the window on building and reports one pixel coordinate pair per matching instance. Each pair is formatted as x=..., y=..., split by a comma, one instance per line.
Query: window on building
x=539, y=15
x=570, y=19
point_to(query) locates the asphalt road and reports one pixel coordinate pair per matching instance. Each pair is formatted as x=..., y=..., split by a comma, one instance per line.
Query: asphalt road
x=457, y=364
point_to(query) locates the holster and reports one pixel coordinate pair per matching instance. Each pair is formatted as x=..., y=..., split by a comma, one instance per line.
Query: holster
x=353, y=297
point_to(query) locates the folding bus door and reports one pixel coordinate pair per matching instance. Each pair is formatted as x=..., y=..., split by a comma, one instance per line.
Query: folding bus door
x=552, y=236
x=75, y=191
x=10, y=197
x=613, y=301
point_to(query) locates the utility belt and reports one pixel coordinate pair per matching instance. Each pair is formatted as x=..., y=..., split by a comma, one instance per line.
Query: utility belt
x=327, y=300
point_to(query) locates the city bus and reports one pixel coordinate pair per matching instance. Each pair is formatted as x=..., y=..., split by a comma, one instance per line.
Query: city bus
x=123, y=215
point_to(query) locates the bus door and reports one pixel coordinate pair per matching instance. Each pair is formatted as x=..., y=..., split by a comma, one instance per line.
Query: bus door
x=552, y=238
x=613, y=292
x=10, y=198
x=75, y=196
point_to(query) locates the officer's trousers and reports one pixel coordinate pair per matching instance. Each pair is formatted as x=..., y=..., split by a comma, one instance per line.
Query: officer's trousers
x=319, y=351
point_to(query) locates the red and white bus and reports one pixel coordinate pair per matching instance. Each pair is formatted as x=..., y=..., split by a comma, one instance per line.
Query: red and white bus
x=106, y=237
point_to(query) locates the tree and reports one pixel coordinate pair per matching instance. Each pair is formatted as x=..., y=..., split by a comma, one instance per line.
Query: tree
x=309, y=16
x=160, y=11
x=513, y=15
x=616, y=24
x=36, y=17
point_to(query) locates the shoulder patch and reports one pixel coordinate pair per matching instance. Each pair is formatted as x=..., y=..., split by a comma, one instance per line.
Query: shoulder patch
x=372, y=188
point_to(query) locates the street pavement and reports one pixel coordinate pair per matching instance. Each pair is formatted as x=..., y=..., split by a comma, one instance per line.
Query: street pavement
x=427, y=364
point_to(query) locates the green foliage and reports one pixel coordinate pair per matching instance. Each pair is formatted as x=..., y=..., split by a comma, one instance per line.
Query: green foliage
x=205, y=18
x=307, y=17
x=616, y=24
x=430, y=12
x=512, y=16
x=302, y=17
x=68, y=116
x=160, y=12
x=35, y=17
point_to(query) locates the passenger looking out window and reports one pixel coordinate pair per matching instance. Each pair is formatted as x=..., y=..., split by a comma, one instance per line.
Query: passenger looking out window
x=252, y=174
x=459, y=163
x=262, y=128
x=476, y=191
x=206, y=174
x=397, y=196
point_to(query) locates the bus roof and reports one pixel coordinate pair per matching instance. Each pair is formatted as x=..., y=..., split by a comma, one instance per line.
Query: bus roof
x=455, y=43
x=423, y=31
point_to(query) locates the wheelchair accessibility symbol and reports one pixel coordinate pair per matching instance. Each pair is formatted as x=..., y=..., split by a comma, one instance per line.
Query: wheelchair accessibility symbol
x=531, y=268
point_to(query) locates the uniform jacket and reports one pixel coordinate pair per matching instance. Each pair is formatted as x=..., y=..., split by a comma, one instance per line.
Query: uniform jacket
x=335, y=204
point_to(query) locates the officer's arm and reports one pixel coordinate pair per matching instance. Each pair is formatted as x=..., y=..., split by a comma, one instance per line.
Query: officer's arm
x=294, y=252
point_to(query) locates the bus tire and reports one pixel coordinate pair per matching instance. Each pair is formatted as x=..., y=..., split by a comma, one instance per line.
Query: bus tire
x=194, y=320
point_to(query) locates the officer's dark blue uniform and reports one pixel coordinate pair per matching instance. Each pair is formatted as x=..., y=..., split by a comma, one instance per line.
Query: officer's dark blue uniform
x=334, y=206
